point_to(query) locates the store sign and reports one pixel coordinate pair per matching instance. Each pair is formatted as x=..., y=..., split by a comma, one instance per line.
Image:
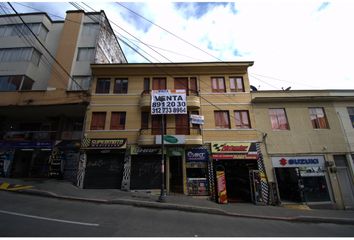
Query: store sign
x=230, y=147
x=113, y=143
x=171, y=139
x=136, y=150
x=235, y=156
x=301, y=161
x=197, y=154
x=26, y=144
x=196, y=119
x=168, y=102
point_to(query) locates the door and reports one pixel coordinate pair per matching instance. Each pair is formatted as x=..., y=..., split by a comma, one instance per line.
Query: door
x=176, y=175
x=22, y=163
x=182, y=124
x=345, y=181
x=289, y=184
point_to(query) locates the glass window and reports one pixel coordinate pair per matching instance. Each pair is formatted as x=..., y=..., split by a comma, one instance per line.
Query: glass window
x=144, y=120
x=351, y=115
x=120, y=85
x=103, y=85
x=80, y=83
x=159, y=83
x=15, y=83
x=86, y=54
x=318, y=118
x=90, y=29
x=218, y=84
x=236, y=84
x=27, y=83
x=19, y=54
x=146, y=85
x=278, y=119
x=98, y=120
x=222, y=119
x=193, y=86
x=118, y=120
x=242, y=119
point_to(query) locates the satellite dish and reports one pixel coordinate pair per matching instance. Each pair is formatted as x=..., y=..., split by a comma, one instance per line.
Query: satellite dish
x=253, y=88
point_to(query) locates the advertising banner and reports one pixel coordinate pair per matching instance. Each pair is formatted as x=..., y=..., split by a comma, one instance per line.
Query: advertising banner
x=298, y=161
x=221, y=184
x=196, y=119
x=230, y=147
x=95, y=143
x=171, y=139
x=168, y=102
x=197, y=154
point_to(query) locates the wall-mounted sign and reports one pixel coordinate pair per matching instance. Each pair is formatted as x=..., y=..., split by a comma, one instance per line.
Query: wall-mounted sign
x=26, y=144
x=168, y=102
x=171, y=139
x=298, y=161
x=230, y=147
x=235, y=156
x=197, y=154
x=136, y=150
x=95, y=143
x=196, y=119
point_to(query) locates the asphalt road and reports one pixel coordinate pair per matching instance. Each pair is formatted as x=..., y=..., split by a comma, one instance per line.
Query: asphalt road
x=33, y=216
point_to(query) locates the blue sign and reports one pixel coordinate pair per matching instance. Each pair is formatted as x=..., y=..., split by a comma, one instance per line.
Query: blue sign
x=26, y=144
x=197, y=154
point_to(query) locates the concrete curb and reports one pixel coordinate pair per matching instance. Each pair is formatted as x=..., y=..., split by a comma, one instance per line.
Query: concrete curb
x=186, y=208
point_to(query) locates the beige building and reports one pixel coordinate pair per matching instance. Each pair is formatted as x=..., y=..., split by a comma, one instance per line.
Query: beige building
x=43, y=101
x=307, y=144
x=123, y=137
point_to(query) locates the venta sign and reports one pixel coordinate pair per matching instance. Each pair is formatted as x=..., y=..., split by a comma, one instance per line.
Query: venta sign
x=168, y=102
x=300, y=161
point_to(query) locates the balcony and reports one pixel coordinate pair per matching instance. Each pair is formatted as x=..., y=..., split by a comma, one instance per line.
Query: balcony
x=192, y=136
x=193, y=100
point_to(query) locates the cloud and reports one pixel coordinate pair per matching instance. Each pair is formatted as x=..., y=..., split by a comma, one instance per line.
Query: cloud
x=323, y=6
x=199, y=9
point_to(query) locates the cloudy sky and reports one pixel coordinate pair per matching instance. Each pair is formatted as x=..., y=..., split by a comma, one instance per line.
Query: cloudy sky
x=305, y=44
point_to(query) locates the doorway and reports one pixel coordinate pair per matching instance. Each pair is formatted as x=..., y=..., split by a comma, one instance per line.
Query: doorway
x=345, y=182
x=176, y=174
x=21, y=164
x=288, y=180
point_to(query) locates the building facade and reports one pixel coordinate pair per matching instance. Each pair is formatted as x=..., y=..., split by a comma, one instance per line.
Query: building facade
x=44, y=80
x=307, y=144
x=122, y=144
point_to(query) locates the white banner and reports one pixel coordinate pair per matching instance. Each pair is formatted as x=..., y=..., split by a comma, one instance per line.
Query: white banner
x=168, y=102
x=171, y=139
x=197, y=119
x=298, y=161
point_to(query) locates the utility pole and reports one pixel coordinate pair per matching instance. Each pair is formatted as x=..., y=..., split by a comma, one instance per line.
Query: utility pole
x=162, y=197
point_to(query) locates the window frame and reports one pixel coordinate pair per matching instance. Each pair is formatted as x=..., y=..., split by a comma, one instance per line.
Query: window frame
x=218, y=124
x=239, y=87
x=104, y=91
x=351, y=115
x=120, y=125
x=97, y=126
x=279, y=124
x=80, y=58
x=122, y=87
x=217, y=84
x=242, y=124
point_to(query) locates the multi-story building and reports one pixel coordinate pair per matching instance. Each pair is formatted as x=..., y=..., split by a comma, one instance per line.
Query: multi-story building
x=308, y=144
x=44, y=77
x=122, y=142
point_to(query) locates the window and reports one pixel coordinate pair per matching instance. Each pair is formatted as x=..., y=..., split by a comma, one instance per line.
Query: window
x=90, y=29
x=218, y=84
x=182, y=124
x=98, y=120
x=236, y=84
x=103, y=85
x=158, y=83
x=146, y=85
x=156, y=124
x=118, y=120
x=20, y=29
x=20, y=55
x=222, y=119
x=193, y=87
x=80, y=83
x=242, y=119
x=318, y=118
x=15, y=83
x=144, y=120
x=351, y=115
x=278, y=119
x=120, y=85
x=86, y=54
x=181, y=83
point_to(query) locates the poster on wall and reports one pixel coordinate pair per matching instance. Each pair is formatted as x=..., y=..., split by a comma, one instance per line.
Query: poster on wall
x=221, y=184
x=168, y=102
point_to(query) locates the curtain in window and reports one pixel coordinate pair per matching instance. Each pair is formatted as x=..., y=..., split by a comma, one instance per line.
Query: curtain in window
x=118, y=120
x=158, y=83
x=222, y=119
x=98, y=120
x=103, y=85
x=182, y=124
x=318, y=118
x=278, y=119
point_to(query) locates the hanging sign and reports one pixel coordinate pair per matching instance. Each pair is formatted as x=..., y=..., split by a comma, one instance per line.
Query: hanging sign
x=197, y=119
x=168, y=102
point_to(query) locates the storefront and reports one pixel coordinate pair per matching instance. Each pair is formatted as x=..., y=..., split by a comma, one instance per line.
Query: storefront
x=21, y=159
x=233, y=162
x=103, y=163
x=145, y=170
x=197, y=171
x=301, y=178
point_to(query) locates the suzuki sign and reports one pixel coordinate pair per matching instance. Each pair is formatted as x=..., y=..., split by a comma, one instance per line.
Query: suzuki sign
x=298, y=161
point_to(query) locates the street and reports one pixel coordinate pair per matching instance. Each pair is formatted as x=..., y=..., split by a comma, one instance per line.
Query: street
x=32, y=216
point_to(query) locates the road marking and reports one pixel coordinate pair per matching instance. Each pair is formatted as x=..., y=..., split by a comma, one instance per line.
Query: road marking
x=49, y=219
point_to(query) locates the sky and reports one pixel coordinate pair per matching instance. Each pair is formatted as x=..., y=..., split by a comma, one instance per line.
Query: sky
x=302, y=44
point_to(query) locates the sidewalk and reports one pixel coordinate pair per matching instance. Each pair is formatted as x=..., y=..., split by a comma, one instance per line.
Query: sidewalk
x=65, y=190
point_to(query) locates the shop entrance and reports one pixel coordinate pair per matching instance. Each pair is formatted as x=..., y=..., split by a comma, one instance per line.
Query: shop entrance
x=289, y=183
x=238, y=186
x=176, y=174
x=21, y=164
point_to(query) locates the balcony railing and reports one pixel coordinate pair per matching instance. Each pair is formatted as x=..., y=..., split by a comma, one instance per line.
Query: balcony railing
x=189, y=92
x=171, y=131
